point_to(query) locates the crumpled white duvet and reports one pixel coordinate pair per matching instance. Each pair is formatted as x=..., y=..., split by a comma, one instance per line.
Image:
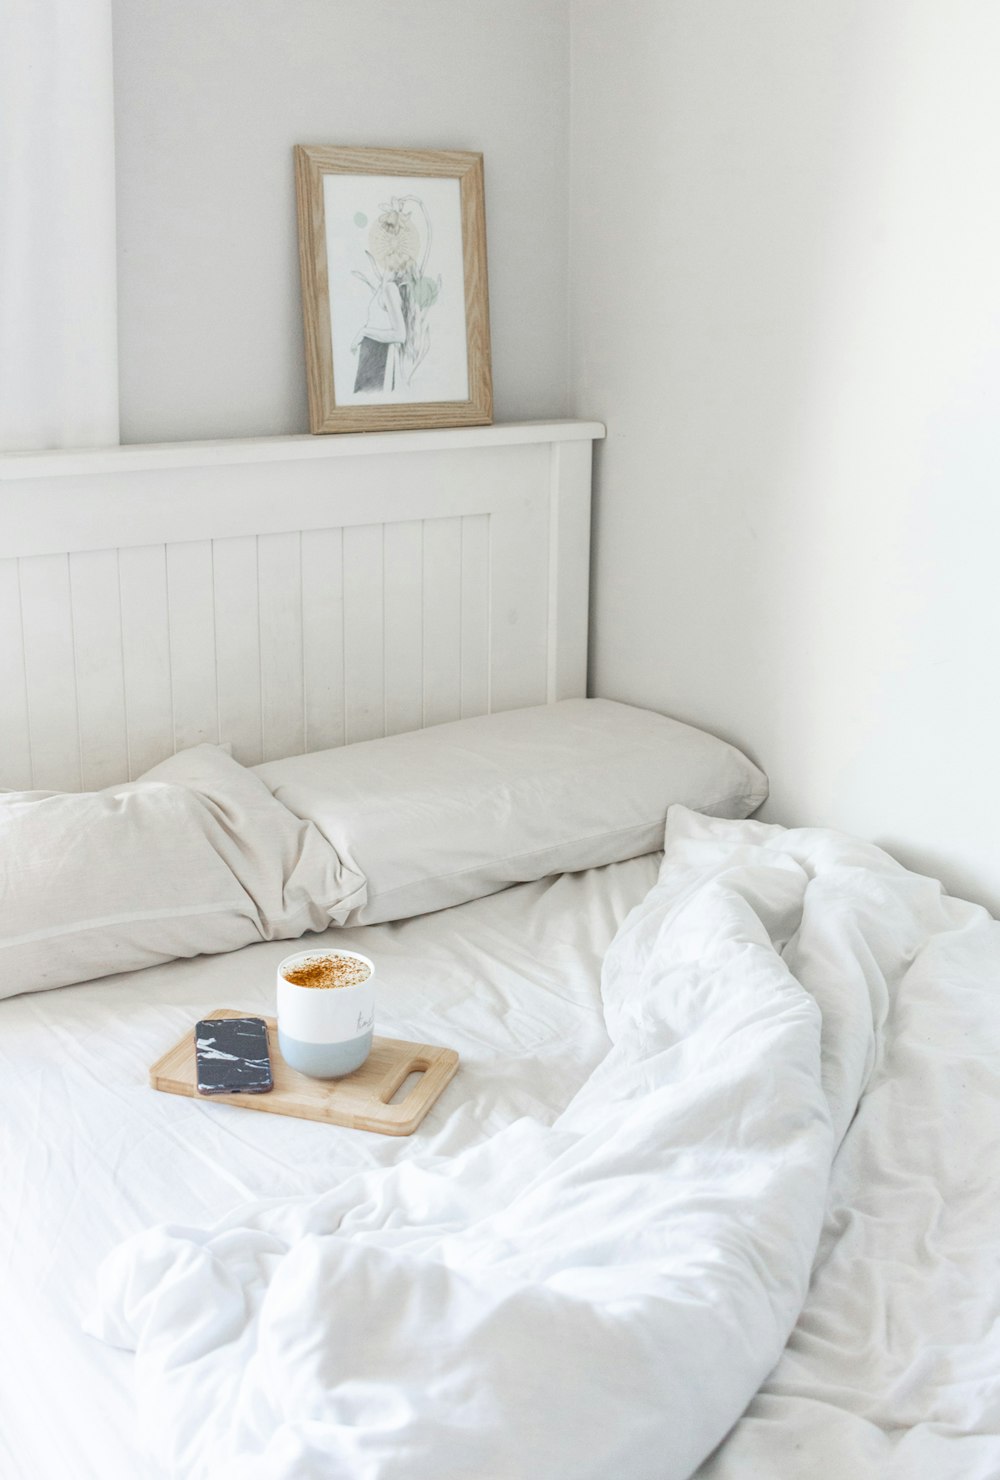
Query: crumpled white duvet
x=592, y=1299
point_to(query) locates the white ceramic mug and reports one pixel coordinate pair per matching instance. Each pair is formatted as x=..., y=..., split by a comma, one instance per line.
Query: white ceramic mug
x=325, y=1032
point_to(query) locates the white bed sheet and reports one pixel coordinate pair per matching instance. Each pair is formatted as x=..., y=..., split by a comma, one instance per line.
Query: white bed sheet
x=89, y=1154
x=893, y=1371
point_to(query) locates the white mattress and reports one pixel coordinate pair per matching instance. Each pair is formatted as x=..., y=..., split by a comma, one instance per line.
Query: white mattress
x=893, y=1371
x=90, y=1154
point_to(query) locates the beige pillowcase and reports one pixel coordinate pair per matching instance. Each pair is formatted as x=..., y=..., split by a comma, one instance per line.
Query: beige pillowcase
x=439, y=816
x=195, y=857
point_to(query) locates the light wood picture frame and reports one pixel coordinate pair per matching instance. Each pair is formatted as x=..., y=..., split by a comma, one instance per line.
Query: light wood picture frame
x=392, y=249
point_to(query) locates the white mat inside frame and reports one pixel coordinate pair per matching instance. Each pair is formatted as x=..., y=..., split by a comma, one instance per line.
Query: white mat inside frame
x=284, y=594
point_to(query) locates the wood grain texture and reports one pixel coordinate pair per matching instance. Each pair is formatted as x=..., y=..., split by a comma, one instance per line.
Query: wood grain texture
x=238, y=647
x=323, y=636
x=225, y=452
x=97, y=652
x=569, y=571
x=404, y=626
x=519, y=603
x=442, y=621
x=359, y=1101
x=191, y=612
x=312, y=162
x=142, y=585
x=364, y=633
x=475, y=625
x=282, y=679
x=15, y=733
x=50, y=672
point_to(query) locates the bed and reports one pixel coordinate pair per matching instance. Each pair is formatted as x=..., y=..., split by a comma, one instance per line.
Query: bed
x=712, y=1190
x=91, y=1155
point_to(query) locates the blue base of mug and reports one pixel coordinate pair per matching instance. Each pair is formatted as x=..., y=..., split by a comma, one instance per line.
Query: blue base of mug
x=325, y=1060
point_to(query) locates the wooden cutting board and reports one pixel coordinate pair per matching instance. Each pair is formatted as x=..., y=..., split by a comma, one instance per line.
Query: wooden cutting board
x=359, y=1100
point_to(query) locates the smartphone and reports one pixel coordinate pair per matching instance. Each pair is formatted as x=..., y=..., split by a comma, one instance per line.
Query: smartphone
x=232, y=1056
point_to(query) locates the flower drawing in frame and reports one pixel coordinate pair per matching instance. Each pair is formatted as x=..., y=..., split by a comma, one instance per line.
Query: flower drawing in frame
x=393, y=257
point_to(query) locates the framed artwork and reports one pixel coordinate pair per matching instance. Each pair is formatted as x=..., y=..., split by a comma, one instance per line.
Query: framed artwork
x=392, y=247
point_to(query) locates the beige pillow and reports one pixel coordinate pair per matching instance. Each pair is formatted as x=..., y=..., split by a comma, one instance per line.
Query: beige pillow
x=194, y=857
x=454, y=812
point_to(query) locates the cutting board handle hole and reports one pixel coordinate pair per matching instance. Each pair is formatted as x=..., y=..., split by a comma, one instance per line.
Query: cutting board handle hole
x=409, y=1083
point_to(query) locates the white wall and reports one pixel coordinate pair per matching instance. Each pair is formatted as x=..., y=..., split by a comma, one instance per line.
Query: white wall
x=785, y=299
x=211, y=95
x=58, y=347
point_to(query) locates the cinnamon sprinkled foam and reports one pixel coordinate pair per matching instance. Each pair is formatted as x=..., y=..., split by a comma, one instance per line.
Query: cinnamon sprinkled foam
x=328, y=971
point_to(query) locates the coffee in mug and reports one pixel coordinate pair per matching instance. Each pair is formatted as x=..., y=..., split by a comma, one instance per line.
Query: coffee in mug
x=326, y=1011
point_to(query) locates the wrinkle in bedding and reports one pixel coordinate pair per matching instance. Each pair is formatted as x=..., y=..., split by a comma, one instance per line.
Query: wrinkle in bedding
x=893, y=1370
x=901, y=1325
x=91, y=1155
x=595, y=1297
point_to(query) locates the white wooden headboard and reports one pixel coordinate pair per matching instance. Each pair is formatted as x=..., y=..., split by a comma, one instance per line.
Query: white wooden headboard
x=284, y=594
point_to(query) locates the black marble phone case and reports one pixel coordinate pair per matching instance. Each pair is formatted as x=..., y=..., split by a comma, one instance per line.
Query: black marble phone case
x=231, y=1055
